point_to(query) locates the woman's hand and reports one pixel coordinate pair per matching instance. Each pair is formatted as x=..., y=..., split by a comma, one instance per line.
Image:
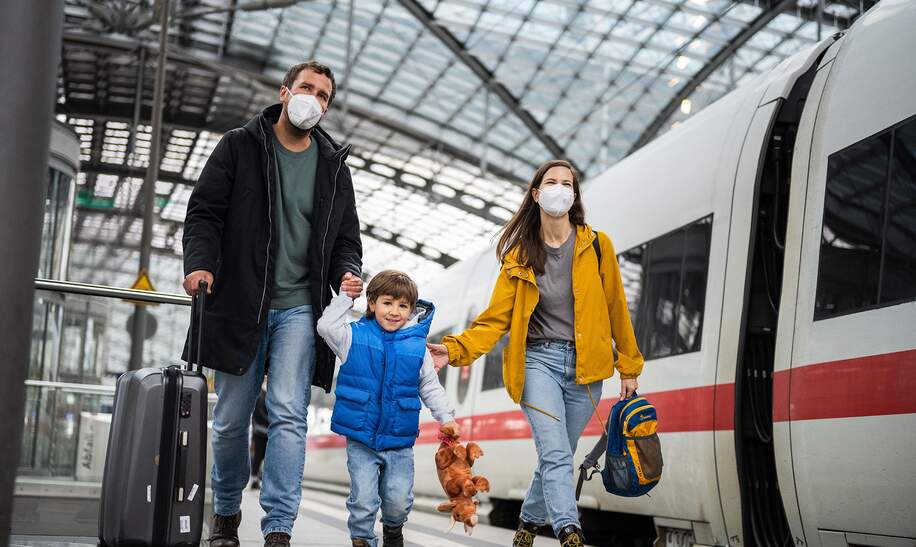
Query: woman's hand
x=440, y=355
x=628, y=387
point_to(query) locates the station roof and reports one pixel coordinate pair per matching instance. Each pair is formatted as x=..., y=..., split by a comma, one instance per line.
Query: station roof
x=449, y=105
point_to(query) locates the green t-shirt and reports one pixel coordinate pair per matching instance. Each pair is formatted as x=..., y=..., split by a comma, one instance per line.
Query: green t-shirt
x=295, y=198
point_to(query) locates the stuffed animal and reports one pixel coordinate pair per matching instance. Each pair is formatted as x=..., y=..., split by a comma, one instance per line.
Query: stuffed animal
x=453, y=465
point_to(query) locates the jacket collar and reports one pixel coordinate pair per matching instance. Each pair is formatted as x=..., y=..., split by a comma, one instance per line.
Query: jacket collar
x=584, y=237
x=261, y=126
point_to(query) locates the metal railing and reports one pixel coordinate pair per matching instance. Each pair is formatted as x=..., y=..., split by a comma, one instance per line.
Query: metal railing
x=69, y=389
x=86, y=289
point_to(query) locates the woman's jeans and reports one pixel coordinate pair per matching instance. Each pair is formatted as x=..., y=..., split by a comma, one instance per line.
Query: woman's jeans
x=288, y=343
x=550, y=385
x=378, y=479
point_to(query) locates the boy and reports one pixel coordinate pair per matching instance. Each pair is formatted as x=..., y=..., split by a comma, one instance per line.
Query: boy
x=385, y=372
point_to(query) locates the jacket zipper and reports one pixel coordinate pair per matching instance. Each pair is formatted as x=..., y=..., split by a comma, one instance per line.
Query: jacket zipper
x=270, y=227
x=327, y=227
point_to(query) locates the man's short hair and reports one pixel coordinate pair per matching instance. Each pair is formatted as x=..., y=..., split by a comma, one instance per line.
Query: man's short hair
x=316, y=67
x=392, y=283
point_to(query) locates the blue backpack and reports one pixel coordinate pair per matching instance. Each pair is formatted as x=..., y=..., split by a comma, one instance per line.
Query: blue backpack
x=633, y=452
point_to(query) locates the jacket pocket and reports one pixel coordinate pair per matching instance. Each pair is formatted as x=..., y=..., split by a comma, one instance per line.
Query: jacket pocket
x=407, y=421
x=648, y=458
x=350, y=407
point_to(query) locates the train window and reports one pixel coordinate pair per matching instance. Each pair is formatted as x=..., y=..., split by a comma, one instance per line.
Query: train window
x=693, y=287
x=868, y=241
x=665, y=284
x=493, y=367
x=898, y=274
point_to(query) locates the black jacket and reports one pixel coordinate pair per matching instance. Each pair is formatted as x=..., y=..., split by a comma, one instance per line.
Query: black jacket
x=231, y=231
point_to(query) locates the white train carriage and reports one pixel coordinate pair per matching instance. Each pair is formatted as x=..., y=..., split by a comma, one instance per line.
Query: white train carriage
x=768, y=248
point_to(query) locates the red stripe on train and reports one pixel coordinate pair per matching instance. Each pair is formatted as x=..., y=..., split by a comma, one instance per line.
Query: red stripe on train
x=876, y=385
x=866, y=386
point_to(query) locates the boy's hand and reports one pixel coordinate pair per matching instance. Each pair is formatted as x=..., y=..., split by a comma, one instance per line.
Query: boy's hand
x=451, y=429
x=439, y=353
x=351, y=284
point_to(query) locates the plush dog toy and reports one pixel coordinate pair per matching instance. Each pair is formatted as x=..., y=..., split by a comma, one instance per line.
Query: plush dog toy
x=453, y=465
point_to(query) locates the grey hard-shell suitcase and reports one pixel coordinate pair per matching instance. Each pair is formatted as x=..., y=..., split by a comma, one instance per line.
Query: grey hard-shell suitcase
x=154, y=481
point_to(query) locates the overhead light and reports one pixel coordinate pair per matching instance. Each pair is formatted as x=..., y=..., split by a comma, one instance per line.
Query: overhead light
x=674, y=81
x=686, y=106
x=675, y=125
x=682, y=62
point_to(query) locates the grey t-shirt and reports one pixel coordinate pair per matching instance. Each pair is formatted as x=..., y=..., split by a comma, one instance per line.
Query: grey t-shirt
x=554, y=315
x=295, y=196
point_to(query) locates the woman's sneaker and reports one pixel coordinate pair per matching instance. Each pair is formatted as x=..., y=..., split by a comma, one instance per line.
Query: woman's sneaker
x=225, y=530
x=525, y=535
x=571, y=536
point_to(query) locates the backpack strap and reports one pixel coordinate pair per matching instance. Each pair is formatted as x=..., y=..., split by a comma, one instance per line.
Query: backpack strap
x=597, y=247
x=589, y=466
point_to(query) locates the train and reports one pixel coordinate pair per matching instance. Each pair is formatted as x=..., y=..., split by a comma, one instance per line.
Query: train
x=768, y=251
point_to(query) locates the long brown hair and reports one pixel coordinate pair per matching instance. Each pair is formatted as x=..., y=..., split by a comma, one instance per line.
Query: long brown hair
x=524, y=228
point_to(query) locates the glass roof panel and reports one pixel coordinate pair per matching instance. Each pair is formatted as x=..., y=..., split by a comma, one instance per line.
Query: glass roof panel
x=440, y=150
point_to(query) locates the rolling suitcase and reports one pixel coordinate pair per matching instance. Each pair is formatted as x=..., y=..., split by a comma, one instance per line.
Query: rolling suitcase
x=154, y=482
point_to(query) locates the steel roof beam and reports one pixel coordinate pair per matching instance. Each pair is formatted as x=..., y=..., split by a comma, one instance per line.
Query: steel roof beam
x=230, y=64
x=487, y=78
x=704, y=73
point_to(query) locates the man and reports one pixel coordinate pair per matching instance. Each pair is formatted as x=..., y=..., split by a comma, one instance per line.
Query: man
x=272, y=227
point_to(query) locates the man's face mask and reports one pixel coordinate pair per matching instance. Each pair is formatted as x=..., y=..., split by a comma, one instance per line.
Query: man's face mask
x=304, y=110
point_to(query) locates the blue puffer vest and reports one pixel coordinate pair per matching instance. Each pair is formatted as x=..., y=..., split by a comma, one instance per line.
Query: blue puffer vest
x=378, y=396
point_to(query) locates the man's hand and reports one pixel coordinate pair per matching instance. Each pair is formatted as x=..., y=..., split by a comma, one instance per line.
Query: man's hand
x=192, y=282
x=440, y=355
x=628, y=387
x=351, y=284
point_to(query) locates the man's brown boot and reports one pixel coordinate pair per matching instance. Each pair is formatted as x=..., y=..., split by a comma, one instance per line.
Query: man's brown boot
x=225, y=530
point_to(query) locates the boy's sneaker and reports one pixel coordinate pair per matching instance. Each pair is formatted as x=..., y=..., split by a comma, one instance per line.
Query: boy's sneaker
x=225, y=530
x=276, y=539
x=360, y=543
x=571, y=536
x=392, y=536
x=525, y=535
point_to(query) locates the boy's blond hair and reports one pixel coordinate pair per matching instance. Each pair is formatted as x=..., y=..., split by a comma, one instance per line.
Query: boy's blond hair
x=392, y=283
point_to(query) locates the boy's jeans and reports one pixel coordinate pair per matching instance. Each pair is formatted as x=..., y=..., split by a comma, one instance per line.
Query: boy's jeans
x=550, y=385
x=288, y=343
x=378, y=479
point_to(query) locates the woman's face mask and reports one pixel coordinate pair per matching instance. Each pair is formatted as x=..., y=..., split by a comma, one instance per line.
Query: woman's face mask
x=304, y=110
x=555, y=199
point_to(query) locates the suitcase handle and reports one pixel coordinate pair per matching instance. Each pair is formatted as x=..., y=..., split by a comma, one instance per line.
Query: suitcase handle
x=198, y=305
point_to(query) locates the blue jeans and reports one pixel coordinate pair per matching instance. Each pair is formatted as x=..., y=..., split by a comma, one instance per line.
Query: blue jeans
x=288, y=344
x=378, y=479
x=550, y=385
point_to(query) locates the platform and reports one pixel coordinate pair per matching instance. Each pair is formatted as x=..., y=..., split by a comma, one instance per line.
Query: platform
x=322, y=522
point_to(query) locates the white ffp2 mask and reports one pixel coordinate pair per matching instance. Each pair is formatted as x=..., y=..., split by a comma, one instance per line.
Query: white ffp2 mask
x=304, y=110
x=556, y=200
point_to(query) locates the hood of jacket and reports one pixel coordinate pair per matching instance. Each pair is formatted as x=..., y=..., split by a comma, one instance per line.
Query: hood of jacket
x=261, y=127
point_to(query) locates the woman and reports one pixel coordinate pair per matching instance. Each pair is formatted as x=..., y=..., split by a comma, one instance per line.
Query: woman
x=561, y=309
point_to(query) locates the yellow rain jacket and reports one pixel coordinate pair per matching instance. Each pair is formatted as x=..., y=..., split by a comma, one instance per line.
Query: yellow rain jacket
x=600, y=315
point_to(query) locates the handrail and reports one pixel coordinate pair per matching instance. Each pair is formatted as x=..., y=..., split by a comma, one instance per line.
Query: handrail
x=111, y=292
x=87, y=389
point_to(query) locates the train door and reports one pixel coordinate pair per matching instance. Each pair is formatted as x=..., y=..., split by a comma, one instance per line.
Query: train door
x=746, y=459
x=846, y=391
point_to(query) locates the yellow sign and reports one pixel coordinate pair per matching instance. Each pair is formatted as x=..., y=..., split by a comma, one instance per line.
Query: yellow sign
x=143, y=283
